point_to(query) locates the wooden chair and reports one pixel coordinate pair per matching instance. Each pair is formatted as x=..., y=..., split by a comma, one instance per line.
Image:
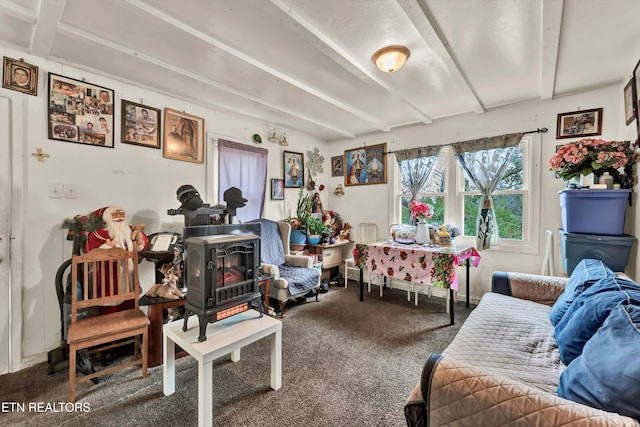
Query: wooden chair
x=105, y=277
x=367, y=233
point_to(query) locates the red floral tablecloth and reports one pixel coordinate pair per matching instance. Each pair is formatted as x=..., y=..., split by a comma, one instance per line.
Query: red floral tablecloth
x=415, y=263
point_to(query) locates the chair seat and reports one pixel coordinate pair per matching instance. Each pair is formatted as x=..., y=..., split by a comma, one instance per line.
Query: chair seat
x=104, y=325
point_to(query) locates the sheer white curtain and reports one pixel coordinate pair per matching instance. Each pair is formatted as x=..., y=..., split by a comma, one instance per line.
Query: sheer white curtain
x=416, y=165
x=245, y=167
x=484, y=162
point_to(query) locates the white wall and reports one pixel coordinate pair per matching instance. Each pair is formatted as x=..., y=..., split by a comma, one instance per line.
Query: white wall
x=368, y=203
x=137, y=178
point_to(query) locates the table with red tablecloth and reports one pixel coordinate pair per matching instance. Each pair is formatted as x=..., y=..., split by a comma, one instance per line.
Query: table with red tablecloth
x=417, y=264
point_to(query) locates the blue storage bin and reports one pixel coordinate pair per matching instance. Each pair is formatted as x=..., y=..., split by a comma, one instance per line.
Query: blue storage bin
x=594, y=211
x=612, y=250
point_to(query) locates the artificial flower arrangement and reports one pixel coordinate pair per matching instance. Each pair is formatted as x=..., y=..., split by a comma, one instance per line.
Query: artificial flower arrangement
x=420, y=210
x=590, y=155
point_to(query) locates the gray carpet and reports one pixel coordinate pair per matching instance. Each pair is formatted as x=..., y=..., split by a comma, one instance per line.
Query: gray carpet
x=345, y=363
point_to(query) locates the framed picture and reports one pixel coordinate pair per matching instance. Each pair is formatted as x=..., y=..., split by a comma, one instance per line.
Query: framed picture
x=579, y=123
x=80, y=112
x=183, y=136
x=366, y=165
x=636, y=94
x=20, y=76
x=336, y=166
x=293, y=169
x=630, y=109
x=277, y=189
x=140, y=125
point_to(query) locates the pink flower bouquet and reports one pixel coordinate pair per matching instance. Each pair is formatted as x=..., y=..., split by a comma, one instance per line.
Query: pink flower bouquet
x=590, y=155
x=420, y=210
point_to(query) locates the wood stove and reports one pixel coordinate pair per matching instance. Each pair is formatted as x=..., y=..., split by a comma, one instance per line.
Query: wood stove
x=221, y=270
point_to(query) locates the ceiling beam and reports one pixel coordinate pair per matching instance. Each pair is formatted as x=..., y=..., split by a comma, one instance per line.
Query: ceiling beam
x=213, y=41
x=425, y=23
x=44, y=32
x=71, y=31
x=551, y=23
x=18, y=12
x=353, y=63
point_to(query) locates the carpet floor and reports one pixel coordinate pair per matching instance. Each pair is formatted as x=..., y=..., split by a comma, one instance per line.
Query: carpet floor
x=345, y=363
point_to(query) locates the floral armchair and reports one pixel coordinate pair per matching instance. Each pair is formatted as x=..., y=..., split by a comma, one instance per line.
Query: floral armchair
x=293, y=275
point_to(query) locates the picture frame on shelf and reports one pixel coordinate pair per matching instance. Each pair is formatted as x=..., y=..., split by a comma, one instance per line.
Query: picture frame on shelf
x=366, y=165
x=277, y=189
x=80, y=112
x=19, y=76
x=183, y=136
x=576, y=124
x=337, y=165
x=293, y=169
x=141, y=125
x=630, y=106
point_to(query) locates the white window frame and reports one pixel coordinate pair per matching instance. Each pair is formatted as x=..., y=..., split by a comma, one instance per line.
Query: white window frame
x=454, y=198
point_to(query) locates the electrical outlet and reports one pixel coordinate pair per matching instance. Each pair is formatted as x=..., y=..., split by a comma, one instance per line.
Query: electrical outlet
x=55, y=191
x=70, y=191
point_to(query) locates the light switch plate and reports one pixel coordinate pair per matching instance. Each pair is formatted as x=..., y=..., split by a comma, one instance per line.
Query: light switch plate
x=55, y=191
x=70, y=191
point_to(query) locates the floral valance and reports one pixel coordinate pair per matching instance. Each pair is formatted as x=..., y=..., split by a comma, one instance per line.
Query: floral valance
x=489, y=143
x=417, y=152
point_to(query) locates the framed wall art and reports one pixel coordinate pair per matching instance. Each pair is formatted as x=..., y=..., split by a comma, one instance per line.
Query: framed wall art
x=636, y=94
x=277, y=189
x=80, y=112
x=183, y=136
x=336, y=166
x=20, y=76
x=579, y=123
x=293, y=169
x=630, y=108
x=140, y=125
x=366, y=165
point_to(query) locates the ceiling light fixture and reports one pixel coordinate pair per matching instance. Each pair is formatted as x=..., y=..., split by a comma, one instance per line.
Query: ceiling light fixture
x=390, y=58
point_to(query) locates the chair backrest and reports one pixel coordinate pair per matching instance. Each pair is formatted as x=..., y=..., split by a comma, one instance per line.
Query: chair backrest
x=367, y=232
x=274, y=240
x=104, y=277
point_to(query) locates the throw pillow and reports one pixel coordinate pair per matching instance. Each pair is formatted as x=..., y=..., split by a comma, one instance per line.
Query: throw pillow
x=587, y=272
x=607, y=374
x=589, y=311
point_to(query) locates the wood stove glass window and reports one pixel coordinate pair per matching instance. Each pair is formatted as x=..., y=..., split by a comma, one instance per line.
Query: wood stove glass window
x=234, y=265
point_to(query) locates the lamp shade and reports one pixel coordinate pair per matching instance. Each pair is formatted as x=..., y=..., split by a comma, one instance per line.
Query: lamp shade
x=390, y=58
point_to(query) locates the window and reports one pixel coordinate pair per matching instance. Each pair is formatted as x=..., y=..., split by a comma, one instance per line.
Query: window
x=456, y=200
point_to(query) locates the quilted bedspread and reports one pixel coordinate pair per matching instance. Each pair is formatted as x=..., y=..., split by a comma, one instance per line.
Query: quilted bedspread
x=501, y=369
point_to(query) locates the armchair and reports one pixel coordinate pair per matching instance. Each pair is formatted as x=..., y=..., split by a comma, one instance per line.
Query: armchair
x=293, y=274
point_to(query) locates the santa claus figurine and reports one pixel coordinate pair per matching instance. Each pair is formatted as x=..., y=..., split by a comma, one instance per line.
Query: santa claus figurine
x=116, y=232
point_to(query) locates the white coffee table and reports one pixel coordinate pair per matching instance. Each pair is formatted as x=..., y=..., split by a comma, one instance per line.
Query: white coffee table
x=224, y=337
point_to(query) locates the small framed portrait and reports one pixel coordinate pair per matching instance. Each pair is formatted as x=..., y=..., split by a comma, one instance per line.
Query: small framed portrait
x=183, y=136
x=579, y=123
x=336, y=166
x=366, y=165
x=140, y=125
x=630, y=108
x=277, y=189
x=77, y=112
x=20, y=76
x=293, y=169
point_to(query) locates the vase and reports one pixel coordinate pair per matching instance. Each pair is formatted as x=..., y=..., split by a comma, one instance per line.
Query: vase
x=422, y=232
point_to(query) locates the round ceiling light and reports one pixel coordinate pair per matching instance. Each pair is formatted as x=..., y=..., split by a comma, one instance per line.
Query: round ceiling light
x=390, y=58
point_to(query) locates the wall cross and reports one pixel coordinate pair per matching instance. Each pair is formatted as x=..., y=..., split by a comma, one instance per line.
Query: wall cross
x=40, y=155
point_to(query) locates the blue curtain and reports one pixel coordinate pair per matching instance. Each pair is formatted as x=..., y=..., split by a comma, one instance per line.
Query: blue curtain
x=245, y=167
x=416, y=165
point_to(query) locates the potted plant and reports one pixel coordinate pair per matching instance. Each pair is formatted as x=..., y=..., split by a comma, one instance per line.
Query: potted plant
x=298, y=222
x=315, y=227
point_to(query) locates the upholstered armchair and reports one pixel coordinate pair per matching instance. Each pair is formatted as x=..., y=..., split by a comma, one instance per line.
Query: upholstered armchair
x=293, y=275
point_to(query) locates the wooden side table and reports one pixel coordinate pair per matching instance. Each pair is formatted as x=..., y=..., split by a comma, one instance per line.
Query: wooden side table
x=155, y=313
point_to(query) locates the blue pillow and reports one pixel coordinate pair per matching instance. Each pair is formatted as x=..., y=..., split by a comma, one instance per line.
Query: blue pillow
x=587, y=272
x=607, y=374
x=589, y=311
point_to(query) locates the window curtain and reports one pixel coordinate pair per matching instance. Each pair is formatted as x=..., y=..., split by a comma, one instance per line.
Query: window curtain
x=484, y=162
x=416, y=165
x=244, y=167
